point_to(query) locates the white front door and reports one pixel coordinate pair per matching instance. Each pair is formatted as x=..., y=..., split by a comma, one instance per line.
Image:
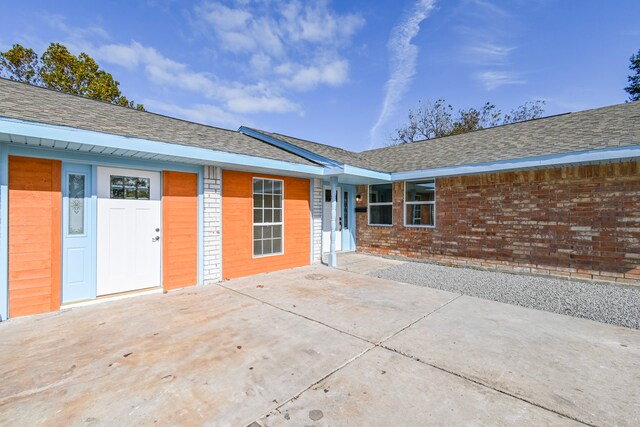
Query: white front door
x=128, y=237
x=326, y=220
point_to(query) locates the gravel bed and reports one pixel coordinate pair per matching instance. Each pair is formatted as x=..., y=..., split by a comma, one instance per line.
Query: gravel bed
x=618, y=305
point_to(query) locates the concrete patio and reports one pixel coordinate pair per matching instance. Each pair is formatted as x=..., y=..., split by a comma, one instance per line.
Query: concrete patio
x=316, y=346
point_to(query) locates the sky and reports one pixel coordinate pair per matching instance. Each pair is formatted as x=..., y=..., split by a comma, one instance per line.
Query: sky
x=343, y=73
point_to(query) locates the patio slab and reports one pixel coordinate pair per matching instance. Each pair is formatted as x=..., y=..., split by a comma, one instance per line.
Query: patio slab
x=384, y=388
x=581, y=368
x=272, y=344
x=360, y=305
x=187, y=358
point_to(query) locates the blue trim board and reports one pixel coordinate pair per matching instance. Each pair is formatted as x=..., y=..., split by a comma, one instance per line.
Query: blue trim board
x=288, y=147
x=100, y=159
x=591, y=156
x=86, y=266
x=199, y=154
x=4, y=232
x=201, y=226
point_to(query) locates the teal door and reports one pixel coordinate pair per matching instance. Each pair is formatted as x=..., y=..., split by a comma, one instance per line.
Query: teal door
x=78, y=231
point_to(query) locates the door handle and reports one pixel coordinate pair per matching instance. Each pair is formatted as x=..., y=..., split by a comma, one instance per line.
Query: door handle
x=155, y=239
x=340, y=224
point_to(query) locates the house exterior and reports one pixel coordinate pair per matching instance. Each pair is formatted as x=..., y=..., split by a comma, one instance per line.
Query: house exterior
x=98, y=200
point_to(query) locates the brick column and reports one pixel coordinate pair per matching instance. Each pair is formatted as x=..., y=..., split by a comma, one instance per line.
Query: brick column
x=212, y=224
x=316, y=220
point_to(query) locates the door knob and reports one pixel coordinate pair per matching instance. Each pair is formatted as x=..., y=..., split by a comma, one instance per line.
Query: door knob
x=157, y=230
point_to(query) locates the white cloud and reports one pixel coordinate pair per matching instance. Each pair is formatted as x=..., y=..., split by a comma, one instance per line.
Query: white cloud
x=404, y=55
x=284, y=38
x=236, y=97
x=488, y=52
x=333, y=73
x=494, y=79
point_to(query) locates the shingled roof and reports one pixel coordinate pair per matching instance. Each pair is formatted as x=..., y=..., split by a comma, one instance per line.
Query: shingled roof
x=328, y=151
x=32, y=103
x=606, y=127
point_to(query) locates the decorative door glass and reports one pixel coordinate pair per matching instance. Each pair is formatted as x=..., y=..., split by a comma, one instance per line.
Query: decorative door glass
x=76, y=204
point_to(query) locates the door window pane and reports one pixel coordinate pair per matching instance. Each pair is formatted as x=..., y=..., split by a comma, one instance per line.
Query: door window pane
x=130, y=187
x=76, y=204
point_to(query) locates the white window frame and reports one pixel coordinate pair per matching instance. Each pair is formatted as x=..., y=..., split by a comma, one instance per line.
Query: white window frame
x=253, y=224
x=418, y=203
x=369, y=204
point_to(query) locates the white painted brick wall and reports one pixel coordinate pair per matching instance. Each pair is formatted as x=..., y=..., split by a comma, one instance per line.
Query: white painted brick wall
x=316, y=220
x=212, y=224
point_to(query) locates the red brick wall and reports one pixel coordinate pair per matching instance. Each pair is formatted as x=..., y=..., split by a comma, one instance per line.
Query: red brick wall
x=579, y=221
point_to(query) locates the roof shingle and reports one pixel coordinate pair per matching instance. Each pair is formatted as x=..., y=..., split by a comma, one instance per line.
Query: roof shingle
x=32, y=103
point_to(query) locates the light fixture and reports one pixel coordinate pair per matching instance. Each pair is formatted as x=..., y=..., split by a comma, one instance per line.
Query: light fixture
x=358, y=198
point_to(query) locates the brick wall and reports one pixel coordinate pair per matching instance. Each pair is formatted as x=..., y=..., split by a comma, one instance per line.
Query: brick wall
x=212, y=224
x=577, y=221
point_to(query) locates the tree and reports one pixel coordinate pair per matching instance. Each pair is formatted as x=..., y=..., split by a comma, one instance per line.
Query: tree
x=20, y=64
x=436, y=119
x=634, y=80
x=60, y=70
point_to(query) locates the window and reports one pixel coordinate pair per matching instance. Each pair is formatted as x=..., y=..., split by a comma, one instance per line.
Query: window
x=76, y=204
x=129, y=187
x=267, y=217
x=420, y=203
x=380, y=204
x=345, y=213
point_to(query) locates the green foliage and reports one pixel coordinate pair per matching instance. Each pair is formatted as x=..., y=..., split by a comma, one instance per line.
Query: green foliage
x=634, y=79
x=60, y=70
x=436, y=119
x=20, y=64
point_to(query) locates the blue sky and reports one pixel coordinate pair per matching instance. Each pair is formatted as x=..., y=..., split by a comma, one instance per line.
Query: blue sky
x=342, y=73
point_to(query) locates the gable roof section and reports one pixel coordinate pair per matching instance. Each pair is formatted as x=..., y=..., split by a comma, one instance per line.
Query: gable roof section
x=31, y=103
x=328, y=152
x=610, y=127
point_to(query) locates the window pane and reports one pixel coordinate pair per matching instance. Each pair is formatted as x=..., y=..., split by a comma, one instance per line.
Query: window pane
x=142, y=188
x=267, y=232
x=268, y=186
x=345, y=213
x=268, y=215
x=327, y=195
x=277, y=231
x=117, y=187
x=257, y=216
x=257, y=232
x=76, y=204
x=380, y=215
x=257, y=200
x=267, y=247
x=277, y=201
x=268, y=201
x=424, y=191
x=277, y=215
x=380, y=193
x=420, y=214
x=257, y=247
x=129, y=187
x=257, y=186
x=277, y=246
x=277, y=187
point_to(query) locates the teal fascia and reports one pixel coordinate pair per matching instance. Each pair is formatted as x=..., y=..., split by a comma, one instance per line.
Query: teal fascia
x=289, y=147
x=537, y=162
x=176, y=151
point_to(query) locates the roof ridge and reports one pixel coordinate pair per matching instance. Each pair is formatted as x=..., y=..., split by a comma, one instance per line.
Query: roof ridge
x=553, y=116
x=304, y=140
